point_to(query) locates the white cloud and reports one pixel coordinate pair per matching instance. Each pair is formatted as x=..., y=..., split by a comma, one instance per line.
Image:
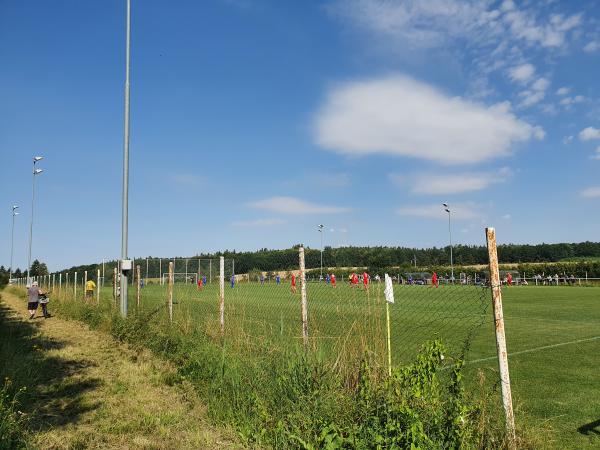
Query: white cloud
x=506, y=216
x=567, y=140
x=572, y=100
x=330, y=180
x=292, y=205
x=433, y=23
x=522, y=73
x=589, y=133
x=541, y=84
x=591, y=192
x=563, y=90
x=258, y=223
x=401, y=116
x=460, y=211
x=592, y=46
x=597, y=154
x=433, y=184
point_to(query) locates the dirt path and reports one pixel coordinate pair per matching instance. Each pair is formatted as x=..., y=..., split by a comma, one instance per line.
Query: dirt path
x=98, y=393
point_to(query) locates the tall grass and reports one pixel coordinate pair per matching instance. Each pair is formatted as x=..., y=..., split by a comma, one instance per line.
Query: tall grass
x=283, y=396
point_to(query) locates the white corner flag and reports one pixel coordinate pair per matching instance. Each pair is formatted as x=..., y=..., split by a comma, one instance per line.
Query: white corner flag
x=389, y=289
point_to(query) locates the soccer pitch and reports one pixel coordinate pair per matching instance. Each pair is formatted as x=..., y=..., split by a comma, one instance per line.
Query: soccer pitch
x=552, y=333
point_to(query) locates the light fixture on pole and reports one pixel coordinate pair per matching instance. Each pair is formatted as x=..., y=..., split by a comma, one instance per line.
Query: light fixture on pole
x=320, y=228
x=12, y=241
x=447, y=209
x=126, y=264
x=36, y=159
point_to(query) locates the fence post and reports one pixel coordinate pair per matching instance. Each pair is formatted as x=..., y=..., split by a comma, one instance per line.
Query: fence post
x=98, y=289
x=114, y=284
x=171, y=292
x=500, y=337
x=160, y=271
x=59, y=283
x=303, y=296
x=84, y=284
x=222, y=294
x=138, y=286
x=75, y=286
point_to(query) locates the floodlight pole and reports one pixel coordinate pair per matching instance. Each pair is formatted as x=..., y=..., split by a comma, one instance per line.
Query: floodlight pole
x=447, y=208
x=35, y=172
x=12, y=241
x=125, y=199
x=320, y=228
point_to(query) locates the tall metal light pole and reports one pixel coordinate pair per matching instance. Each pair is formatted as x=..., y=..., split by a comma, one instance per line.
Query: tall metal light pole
x=12, y=240
x=35, y=172
x=320, y=228
x=447, y=209
x=125, y=200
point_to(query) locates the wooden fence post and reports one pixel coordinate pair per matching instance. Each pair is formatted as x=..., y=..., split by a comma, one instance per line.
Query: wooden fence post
x=500, y=336
x=222, y=294
x=75, y=286
x=170, y=292
x=303, y=297
x=98, y=289
x=114, y=284
x=85, y=284
x=138, y=285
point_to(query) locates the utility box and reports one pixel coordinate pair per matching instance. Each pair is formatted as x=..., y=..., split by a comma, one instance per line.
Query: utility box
x=126, y=265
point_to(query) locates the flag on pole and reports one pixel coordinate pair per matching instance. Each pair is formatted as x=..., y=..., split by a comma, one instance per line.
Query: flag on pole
x=389, y=289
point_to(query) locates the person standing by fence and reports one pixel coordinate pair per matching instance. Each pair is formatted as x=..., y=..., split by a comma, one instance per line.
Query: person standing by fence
x=33, y=294
x=89, y=288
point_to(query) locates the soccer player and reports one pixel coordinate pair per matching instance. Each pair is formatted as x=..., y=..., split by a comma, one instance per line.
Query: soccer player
x=333, y=280
x=354, y=280
x=278, y=279
x=293, y=283
x=365, y=281
x=200, y=283
x=434, y=280
x=204, y=280
x=232, y=281
x=509, y=279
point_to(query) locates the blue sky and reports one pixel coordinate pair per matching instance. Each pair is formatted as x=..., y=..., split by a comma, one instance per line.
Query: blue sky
x=253, y=121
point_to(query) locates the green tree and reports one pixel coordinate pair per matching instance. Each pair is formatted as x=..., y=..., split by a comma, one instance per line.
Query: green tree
x=38, y=269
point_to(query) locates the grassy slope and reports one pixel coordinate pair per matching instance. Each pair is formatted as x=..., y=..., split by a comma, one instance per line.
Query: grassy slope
x=83, y=390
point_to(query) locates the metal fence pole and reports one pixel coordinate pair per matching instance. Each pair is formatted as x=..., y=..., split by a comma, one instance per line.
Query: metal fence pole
x=114, y=284
x=138, y=285
x=75, y=286
x=84, y=284
x=500, y=336
x=98, y=288
x=303, y=296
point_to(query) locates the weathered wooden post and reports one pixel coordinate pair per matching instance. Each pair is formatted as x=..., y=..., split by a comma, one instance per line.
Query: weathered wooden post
x=303, y=299
x=98, y=288
x=500, y=336
x=170, y=292
x=138, y=285
x=222, y=294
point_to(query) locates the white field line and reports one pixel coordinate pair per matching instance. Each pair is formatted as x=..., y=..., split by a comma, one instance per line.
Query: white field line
x=535, y=349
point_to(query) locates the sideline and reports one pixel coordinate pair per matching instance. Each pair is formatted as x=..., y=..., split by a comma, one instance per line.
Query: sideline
x=535, y=349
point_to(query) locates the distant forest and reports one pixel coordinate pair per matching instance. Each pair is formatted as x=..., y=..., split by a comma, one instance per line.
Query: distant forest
x=374, y=258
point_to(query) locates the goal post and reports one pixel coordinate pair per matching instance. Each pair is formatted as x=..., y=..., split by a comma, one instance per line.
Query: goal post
x=180, y=277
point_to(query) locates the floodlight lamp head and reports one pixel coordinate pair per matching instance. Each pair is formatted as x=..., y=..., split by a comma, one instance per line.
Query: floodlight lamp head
x=447, y=210
x=15, y=207
x=15, y=213
x=37, y=171
x=37, y=158
x=445, y=205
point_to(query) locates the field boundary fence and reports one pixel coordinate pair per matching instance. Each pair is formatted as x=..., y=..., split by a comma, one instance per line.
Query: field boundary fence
x=346, y=316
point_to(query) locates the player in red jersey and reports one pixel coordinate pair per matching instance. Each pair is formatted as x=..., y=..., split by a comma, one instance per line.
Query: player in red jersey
x=333, y=280
x=434, y=280
x=293, y=284
x=365, y=281
x=509, y=279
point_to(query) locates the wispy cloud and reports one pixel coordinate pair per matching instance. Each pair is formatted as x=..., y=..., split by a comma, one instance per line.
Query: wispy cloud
x=563, y=90
x=258, y=223
x=330, y=180
x=401, y=116
x=292, y=205
x=596, y=155
x=591, y=192
x=522, y=73
x=589, y=133
x=460, y=211
x=442, y=183
x=535, y=94
x=187, y=179
x=592, y=46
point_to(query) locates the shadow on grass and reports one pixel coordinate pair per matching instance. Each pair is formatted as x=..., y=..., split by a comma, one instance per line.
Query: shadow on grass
x=50, y=398
x=590, y=429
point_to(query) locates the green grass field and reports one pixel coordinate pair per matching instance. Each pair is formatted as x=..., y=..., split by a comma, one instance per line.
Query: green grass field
x=552, y=333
